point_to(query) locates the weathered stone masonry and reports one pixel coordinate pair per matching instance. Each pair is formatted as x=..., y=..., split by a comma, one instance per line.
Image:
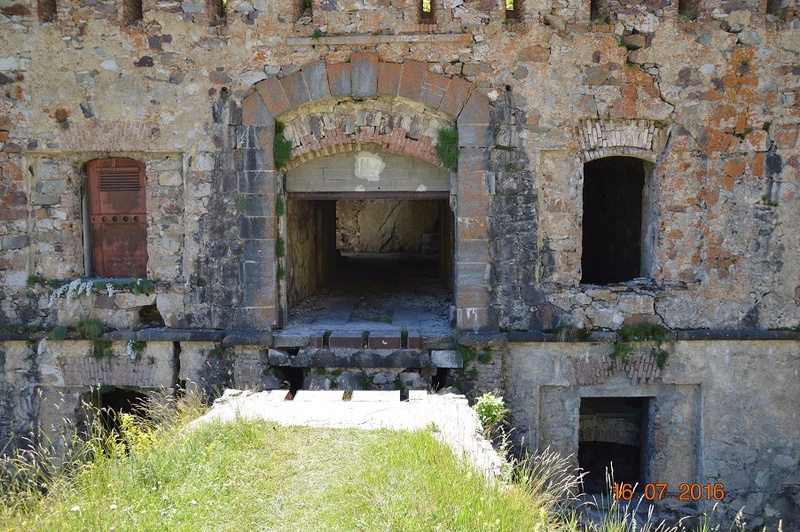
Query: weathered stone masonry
x=707, y=97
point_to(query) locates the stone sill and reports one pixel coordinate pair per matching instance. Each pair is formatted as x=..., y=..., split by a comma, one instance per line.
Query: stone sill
x=693, y=335
x=381, y=39
x=269, y=339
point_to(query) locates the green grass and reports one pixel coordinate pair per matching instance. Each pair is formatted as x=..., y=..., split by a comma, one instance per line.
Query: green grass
x=447, y=148
x=255, y=475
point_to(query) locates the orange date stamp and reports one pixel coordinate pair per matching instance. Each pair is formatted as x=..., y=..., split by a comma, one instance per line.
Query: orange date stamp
x=655, y=491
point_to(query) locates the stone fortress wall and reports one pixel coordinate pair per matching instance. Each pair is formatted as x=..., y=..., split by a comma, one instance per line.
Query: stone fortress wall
x=706, y=93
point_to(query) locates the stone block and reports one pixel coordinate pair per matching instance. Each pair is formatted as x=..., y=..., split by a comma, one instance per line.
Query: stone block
x=172, y=310
x=412, y=78
x=128, y=300
x=262, y=294
x=473, y=250
x=475, y=111
x=259, y=250
x=418, y=395
x=389, y=75
x=257, y=228
x=411, y=380
x=316, y=78
x=254, y=112
x=294, y=86
x=474, y=319
x=312, y=396
x=272, y=94
x=447, y=358
x=455, y=97
x=434, y=88
x=14, y=242
x=473, y=205
x=256, y=181
x=254, y=338
x=350, y=340
x=314, y=382
x=375, y=396
x=256, y=275
x=339, y=79
x=364, y=72
x=472, y=227
x=276, y=357
x=254, y=317
x=381, y=341
x=265, y=136
x=475, y=135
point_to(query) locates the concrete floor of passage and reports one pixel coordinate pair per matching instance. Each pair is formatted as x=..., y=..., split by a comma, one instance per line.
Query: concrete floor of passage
x=378, y=291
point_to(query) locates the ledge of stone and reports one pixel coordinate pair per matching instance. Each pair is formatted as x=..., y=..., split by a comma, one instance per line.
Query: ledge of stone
x=180, y=335
x=483, y=339
x=359, y=358
x=681, y=335
x=737, y=334
x=247, y=338
x=380, y=39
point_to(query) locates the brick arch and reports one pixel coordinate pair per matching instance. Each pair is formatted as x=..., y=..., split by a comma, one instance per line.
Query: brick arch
x=643, y=139
x=342, y=127
x=366, y=77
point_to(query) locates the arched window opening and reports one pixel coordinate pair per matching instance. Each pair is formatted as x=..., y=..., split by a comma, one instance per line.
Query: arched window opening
x=614, y=221
x=117, y=243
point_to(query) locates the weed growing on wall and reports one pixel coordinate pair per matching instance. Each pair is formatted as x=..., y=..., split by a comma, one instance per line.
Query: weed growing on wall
x=447, y=148
x=77, y=287
x=491, y=409
x=135, y=349
x=281, y=147
x=644, y=332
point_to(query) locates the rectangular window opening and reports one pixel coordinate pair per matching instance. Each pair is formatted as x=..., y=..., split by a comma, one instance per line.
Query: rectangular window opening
x=600, y=11
x=687, y=10
x=617, y=227
x=513, y=9
x=426, y=12
x=614, y=435
x=48, y=10
x=305, y=11
x=217, y=12
x=131, y=12
x=777, y=7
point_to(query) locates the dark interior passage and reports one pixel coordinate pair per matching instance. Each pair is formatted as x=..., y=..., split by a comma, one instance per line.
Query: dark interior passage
x=383, y=261
x=612, y=220
x=109, y=403
x=613, y=436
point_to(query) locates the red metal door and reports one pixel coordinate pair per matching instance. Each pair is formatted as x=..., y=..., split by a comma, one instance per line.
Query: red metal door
x=118, y=217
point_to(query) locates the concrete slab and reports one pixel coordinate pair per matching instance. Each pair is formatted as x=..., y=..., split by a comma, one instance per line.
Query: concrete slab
x=375, y=396
x=417, y=395
x=318, y=396
x=457, y=423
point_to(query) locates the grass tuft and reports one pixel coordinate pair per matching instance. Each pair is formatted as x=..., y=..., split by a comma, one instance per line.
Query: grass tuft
x=447, y=148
